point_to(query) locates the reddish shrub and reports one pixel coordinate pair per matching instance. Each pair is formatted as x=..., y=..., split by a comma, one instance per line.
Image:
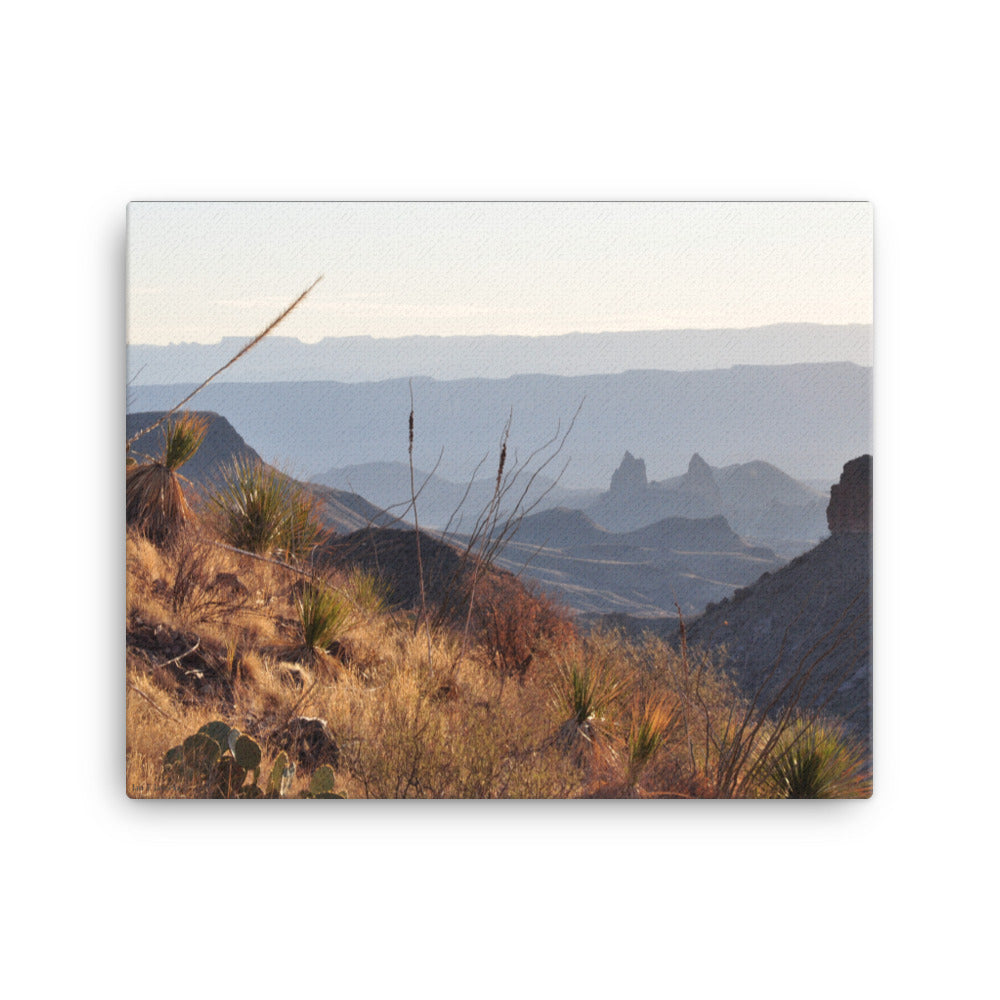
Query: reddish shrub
x=515, y=624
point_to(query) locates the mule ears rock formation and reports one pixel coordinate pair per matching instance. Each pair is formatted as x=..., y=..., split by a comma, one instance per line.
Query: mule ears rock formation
x=629, y=478
x=850, y=508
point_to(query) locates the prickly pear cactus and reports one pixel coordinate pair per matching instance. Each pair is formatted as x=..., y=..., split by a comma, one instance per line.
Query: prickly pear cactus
x=323, y=780
x=228, y=778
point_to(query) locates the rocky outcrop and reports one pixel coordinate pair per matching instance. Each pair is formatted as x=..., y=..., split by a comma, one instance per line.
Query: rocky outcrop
x=629, y=479
x=699, y=479
x=850, y=508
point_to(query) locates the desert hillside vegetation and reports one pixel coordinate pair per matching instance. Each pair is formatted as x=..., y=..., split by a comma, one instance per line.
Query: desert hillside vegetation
x=260, y=665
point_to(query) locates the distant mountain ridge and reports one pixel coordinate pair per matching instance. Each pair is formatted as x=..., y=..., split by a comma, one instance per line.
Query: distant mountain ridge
x=805, y=419
x=366, y=359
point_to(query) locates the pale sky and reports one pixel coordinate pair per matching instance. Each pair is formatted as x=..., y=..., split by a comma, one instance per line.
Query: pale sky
x=200, y=271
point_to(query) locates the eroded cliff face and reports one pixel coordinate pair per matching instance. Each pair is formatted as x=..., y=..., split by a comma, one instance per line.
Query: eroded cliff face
x=850, y=508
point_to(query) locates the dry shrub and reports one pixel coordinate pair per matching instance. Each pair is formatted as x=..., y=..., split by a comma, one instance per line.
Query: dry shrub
x=515, y=625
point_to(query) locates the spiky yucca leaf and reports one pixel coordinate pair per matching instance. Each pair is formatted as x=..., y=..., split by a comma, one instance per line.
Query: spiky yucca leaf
x=182, y=438
x=588, y=693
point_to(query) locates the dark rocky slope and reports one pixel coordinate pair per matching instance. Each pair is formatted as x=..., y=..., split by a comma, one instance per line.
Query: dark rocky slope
x=812, y=619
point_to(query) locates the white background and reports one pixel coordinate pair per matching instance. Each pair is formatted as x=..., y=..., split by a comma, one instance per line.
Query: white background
x=107, y=103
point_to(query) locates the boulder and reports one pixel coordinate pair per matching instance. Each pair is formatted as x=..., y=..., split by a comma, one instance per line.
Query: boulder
x=308, y=740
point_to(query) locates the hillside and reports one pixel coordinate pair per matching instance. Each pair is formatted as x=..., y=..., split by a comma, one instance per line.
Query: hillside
x=388, y=665
x=340, y=511
x=812, y=616
x=645, y=572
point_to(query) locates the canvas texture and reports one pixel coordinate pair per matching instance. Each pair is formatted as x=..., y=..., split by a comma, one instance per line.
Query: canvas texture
x=499, y=500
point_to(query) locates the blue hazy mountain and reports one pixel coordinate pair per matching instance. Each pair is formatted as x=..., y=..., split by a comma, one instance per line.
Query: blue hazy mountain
x=805, y=419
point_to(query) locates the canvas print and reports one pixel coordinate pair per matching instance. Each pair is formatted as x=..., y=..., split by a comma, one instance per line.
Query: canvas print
x=498, y=500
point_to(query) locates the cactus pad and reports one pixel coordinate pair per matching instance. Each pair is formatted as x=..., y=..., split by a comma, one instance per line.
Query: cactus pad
x=274, y=782
x=219, y=732
x=322, y=780
x=201, y=752
x=247, y=753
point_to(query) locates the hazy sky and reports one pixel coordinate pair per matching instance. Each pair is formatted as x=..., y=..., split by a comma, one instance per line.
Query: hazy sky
x=199, y=271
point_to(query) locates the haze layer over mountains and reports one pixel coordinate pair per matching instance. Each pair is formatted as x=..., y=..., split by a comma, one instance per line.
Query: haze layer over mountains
x=370, y=359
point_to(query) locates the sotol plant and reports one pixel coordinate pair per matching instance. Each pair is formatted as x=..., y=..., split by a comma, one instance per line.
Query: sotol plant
x=587, y=696
x=154, y=499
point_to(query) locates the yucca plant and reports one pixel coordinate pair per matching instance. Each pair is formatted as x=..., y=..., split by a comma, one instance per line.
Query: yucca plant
x=653, y=723
x=323, y=615
x=819, y=762
x=587, y=695
x=263, y=511
x=154, y=499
